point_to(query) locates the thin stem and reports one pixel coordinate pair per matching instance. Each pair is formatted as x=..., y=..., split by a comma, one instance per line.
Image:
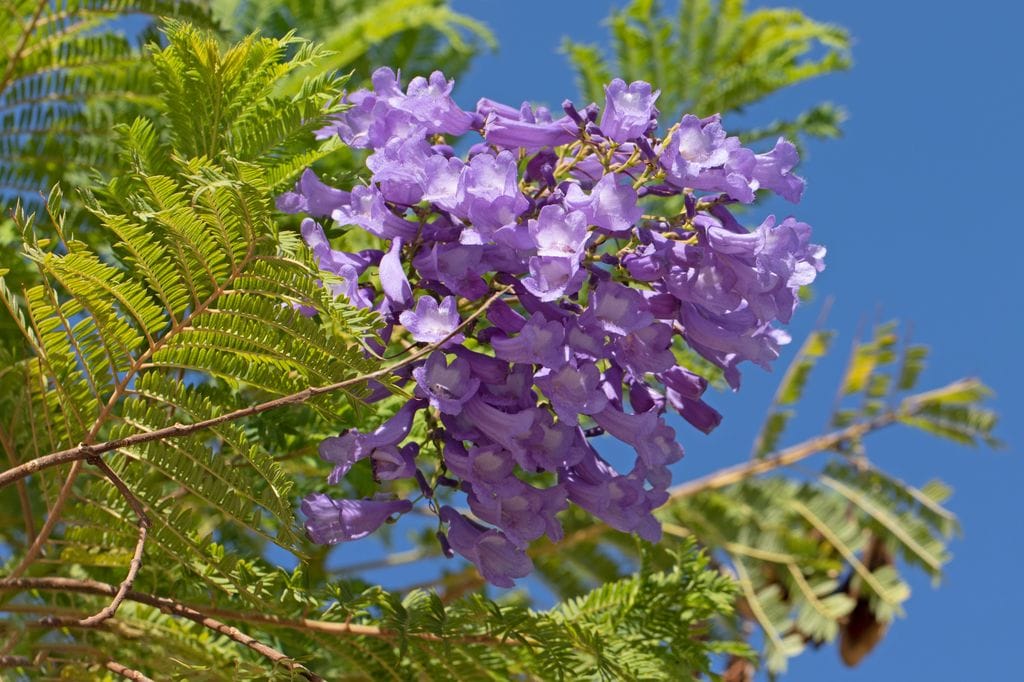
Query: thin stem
x=15, y=57
x=176, y=608
x=126, y=672
x=136, y=563
x=51, y=520
x=789, y=456
x=165, y=605
x=86, y=451
x=26, y=507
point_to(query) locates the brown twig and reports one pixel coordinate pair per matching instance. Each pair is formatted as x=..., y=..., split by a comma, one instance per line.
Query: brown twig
x=16, y=54
x=165, y=605
x=86, y=450
x=136, y=562
x=15, y=662
x=174, y=607
x=51, y=521
x=126, y=672
x=787, y=457
x=26, y=507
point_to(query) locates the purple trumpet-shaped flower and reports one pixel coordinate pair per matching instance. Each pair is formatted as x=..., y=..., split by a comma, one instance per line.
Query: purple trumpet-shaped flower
x=488, y=369
x=489, y=464
x=553, y=445
x=457, y=266
x=430, y=102
x=392, y=277
x=552, y=277
x=495, y=556
x=488, y=191
x=441, y=181
x=573, y=390
x=352, y=125
x=610, y=205
x=430, y=322
x=447, y=385
x=504, y=428
x=628, y=110
x=522, y=511
x=539, y=342
x=348, y=448
x=349, y=265
x=559, y=234
x=312, y=196
x=391, y=463
x=330, y=520
x=399, y=170
x=368, y=210
x=343, y=451
x=700, y=415
x=514, y=133
x=699, y=155
x=653, y=439
x=620, y=501
x=616, y=309
x=647, y=349
x=513, y=392
x=773, y=171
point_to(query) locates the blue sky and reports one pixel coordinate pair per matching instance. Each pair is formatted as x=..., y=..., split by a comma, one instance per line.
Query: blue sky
x=915, y=204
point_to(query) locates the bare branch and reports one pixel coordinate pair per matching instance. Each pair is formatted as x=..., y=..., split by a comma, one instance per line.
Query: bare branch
x=136, y=563
x=193, y=613
x=788, y=457
x=165, y=605
x=51, y=520
x=126, y=672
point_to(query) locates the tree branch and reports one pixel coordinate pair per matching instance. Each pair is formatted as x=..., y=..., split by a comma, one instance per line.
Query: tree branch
x=86, y=451
x=789, y=456
x=165, y=605
x=126, y=672
x=16, y=54
x=51, y=520
x=205, y=618
x=26, y=507
x=136, y=563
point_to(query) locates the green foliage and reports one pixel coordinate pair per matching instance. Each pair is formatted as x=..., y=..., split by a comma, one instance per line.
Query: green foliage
x=415, y=36
x=717, y=57
x=191, y=315
x=66, y=75
x=650, y=626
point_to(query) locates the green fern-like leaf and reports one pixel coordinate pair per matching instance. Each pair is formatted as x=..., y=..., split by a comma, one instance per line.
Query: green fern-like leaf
x=717, y=57
x=193, y=312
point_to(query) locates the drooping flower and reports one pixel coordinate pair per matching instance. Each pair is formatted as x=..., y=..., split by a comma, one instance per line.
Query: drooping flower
x=330, y=520
x=447, y=385
x=589, y=298
x=429, y=322
x=495, y=556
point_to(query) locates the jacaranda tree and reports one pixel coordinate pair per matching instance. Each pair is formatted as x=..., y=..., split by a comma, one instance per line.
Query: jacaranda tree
x=283, y=298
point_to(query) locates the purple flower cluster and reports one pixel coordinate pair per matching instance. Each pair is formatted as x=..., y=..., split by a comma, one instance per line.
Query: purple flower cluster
x=585, y=294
